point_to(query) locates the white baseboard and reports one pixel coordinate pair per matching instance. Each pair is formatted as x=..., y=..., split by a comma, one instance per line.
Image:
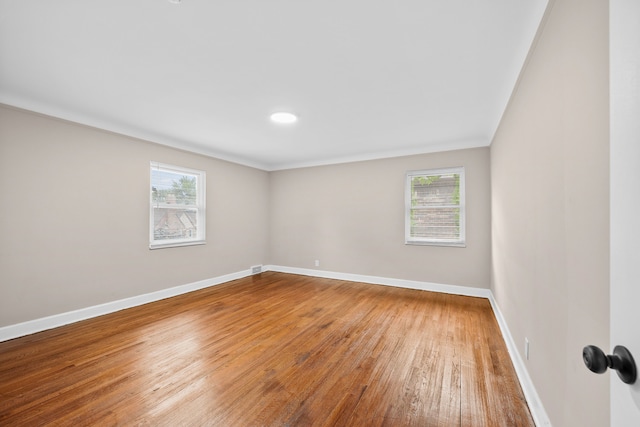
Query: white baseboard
x=538, y=413
x=50, y=322
x=375, y=280
x=537, y=410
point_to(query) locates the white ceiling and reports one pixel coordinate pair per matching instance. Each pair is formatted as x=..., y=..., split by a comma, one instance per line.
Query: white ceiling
x=367, y=78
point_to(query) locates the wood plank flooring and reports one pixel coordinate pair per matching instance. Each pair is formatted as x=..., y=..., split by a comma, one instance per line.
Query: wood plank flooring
x=270, y=350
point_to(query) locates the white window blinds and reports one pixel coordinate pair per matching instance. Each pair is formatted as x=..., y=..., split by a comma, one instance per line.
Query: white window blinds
x=435, y=210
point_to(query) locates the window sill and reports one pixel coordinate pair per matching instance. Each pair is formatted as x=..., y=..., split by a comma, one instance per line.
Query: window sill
x=176, y=244
x=436, y=243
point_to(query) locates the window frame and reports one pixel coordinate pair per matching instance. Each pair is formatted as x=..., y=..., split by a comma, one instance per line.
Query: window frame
x=411, y=240
x=199, y=206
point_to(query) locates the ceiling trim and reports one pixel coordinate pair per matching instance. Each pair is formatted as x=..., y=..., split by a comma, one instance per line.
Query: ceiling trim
x=426, y=149
x=85, y=120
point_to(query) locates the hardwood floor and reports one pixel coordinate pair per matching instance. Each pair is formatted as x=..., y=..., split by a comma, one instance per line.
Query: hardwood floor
x=270, y=350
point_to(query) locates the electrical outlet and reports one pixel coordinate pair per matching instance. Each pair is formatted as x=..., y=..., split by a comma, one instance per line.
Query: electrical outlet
x=317, y=263
x=526, y=348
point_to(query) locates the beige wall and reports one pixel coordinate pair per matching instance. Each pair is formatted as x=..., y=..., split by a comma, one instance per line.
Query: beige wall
x=550, y=221
x=351, y=218
x=75, y=215
x=75, y=229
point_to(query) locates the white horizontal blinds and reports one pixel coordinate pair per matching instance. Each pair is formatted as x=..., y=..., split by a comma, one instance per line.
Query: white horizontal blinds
x=177, y=206
x=436, y=211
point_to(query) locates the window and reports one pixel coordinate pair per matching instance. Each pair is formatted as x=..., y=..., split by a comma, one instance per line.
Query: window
x=434, y=205
x=177, y=212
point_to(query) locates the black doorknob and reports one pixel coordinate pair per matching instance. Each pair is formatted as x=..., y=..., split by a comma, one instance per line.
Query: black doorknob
x=621, y=361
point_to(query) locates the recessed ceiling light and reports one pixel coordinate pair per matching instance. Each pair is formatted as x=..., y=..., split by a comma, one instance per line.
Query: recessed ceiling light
x=175, y=1
x=284, y=118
